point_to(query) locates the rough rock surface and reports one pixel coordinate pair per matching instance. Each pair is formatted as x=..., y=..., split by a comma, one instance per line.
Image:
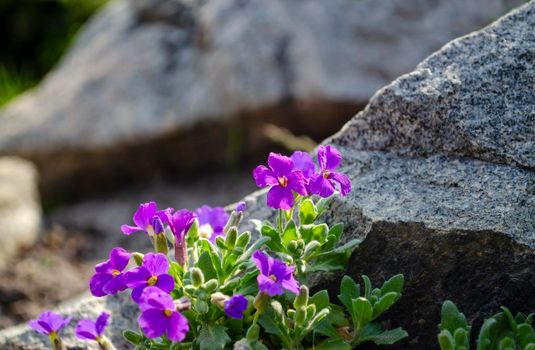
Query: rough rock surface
x=458, y=222
x=20, y=208
x=160, y=80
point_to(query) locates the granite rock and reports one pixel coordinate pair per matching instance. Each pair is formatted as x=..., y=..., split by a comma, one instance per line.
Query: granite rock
x=160, y=80
x=20, y=208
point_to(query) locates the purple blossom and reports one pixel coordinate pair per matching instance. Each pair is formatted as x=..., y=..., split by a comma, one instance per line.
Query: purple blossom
x=212, y=221
x=159, y=316
x=282, y=179
x=108, y=277
x=49, y=323
x=326, y=182
x=180, y=222
x=148, y=219
x=236, y=306
x=304, y=163
x=241, y=207
x=275, y=276
x=92, y=330
x=153, y=272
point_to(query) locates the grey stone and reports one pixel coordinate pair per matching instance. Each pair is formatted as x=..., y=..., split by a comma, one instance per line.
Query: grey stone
x=160, y=80
x=20, y=208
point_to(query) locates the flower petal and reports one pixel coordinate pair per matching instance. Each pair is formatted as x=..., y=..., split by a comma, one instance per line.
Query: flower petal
x=297, y=183
x=329, y=157
x=39, y=326
x=343, y=180
x=280, y=198
x=128, y=230
x=304, y=163
x=145, y=212
x=264, y=176
x=165, y=282
x=156, y=264
x=102, y=322
x=262, y=261
x=291, y=284
x=281, y=165
x=97, y=282
x=320, y=186
x=137, y=276
x=119, y=258
x=86, y=330
x=153, y=323
x=177, y=327
x=268, y=286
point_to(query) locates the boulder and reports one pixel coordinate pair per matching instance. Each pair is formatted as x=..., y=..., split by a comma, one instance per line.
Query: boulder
x=177, y=85
x=20, y=208
x=441, y=163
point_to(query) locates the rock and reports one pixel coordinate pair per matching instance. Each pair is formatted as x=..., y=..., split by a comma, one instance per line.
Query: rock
x=442, y=192
x=20, y=209
x=159, y=81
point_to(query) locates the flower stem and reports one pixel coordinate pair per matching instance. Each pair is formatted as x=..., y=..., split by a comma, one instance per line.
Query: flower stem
x=281, y=213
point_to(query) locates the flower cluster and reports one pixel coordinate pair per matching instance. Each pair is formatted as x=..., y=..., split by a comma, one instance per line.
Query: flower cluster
x=222, y=287
x=298, y=174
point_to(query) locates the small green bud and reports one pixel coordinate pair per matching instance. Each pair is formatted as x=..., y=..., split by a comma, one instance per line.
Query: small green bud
x=253, y=332
x=302, y=298
x=218, y=299
x=190, y=289
x=232, y=236
x=201, y=306
x=211, y=285
x=300, y=316
x=234, y=220
x=220, y=243
x=291, y=313
x=310, y=249
x=311, y=311
x=138, y=258
x=300, y=244
x=243, y=239
x=197, y=277
x=261, y=302
x=292, y=246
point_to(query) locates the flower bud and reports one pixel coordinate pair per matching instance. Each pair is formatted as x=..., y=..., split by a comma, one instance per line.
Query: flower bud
x=161, y=243
x=211, y=285
x=302, y=298
x=261, y=302
x=232, y=236
x=243, y=239
x=138, y=258
x=311, y=311
x=197, y=277
x=234, y=220
x=300, y=316
x=220, y=243
x=201, y=306
x=292, y=246
x=218, y=299
x=182, y=304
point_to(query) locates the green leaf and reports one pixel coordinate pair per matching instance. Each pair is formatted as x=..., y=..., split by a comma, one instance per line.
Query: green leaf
x=349, y=290
x=525, y=334
x=212, y=337
x=332, y=344
x=250, y=344
x=384, y=303
x=461, y=337
x=362, y=312
x=394, y=284
x=452, y=318
x=388, y=337
x=446, y=340
x=273, y=324
x=307, y=212
x=254, y=247
x=275, y=242
x=133, y=337
x=314, y=232
x=367, y=286
x=290, y=233
x=320, y=299
x=205, y=264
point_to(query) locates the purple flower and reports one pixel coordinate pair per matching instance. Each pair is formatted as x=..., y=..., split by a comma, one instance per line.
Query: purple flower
x=212, y=221
x=153, y=272
x=92, y=330
x=275, y=275
x=180, y=222
x=148, y=219
x=325, y=183
x=304, y=163
x=282, y=179
x=108, y=278
x=235, y=306
x=159, y=316
x=241, y=207
x=49, y=323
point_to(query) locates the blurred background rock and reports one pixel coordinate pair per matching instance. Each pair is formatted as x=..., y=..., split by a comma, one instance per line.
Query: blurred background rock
x=175, y=100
